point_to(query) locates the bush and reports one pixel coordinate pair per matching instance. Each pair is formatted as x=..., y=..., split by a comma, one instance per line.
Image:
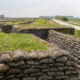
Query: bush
x=64, y=18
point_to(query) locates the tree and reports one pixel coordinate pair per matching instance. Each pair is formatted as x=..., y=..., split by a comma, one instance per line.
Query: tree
x=64, y=18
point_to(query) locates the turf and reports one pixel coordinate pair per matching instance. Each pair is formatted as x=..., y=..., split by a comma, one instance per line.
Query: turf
x=26, y=42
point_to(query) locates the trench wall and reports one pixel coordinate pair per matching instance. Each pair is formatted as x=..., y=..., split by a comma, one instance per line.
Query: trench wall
x=18, y=65
x=55, y=64
x=65, y=42
x=43, y=32
x=40, y=32
x=8, y=29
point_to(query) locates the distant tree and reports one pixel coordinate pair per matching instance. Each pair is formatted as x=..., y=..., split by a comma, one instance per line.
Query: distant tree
x=64, y=18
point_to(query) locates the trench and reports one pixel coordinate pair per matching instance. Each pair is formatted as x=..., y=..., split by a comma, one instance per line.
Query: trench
x=57, y=38
x=43, y=33
x=40, y=32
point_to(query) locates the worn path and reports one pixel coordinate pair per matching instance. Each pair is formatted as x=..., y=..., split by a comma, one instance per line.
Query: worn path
x=66, y=24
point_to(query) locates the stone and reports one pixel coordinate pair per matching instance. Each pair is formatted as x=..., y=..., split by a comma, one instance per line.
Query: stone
x=1, y=77
x=15, y=64
x=56, y=73
x=46, y=61
x=15, y=79
x=62, y=59
x=43, y=77
x=74, y=78
x=31, y=62
x=10, y=76
x=71, y=72
x=61, y=77
x=62, y=68
x=18, y=55
x=56, y=64
x=31, y=70
x=4, y=67
x=14, y=71
x=29, y=78
x=5, y=58
x=37, y=74
x=1, y=30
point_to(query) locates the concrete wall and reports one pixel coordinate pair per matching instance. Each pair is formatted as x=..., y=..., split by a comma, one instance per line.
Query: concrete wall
x=19, y=65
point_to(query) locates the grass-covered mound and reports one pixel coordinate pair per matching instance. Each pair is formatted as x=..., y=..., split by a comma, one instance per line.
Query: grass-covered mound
x=26, y=42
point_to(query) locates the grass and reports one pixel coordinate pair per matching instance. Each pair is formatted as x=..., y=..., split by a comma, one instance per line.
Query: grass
x=26, y=42
x=11, y=22
x=40, y=23
x=14, y=22
x=76, y=34
x=74, y=21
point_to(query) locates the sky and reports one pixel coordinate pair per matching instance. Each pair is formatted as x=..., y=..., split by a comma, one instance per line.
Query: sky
x=35, y=8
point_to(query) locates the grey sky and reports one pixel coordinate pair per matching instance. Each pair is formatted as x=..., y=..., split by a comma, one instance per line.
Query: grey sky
x=34, y=8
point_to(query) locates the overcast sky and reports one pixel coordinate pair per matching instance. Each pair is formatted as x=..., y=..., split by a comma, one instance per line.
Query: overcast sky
x=34, y=8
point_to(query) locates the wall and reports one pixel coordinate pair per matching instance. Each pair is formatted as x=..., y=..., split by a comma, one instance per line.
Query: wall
x=65, y=30
x=8, y=28
x=40, y=32
x=54, y=64
x=64, y=41
x=67, y=43
x=43, y=32
x=39, y=65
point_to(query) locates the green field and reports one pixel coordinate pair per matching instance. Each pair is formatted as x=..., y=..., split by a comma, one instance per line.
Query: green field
x=74, y=21
x=41, y=23
x=26, y=42
x=37, y=23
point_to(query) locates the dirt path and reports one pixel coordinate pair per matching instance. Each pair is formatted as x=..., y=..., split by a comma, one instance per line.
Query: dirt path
x=66, y=24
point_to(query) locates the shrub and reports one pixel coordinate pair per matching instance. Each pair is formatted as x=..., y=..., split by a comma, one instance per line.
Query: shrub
x=64, y=18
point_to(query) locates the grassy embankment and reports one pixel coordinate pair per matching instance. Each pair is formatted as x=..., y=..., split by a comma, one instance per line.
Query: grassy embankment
x=12, y=42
